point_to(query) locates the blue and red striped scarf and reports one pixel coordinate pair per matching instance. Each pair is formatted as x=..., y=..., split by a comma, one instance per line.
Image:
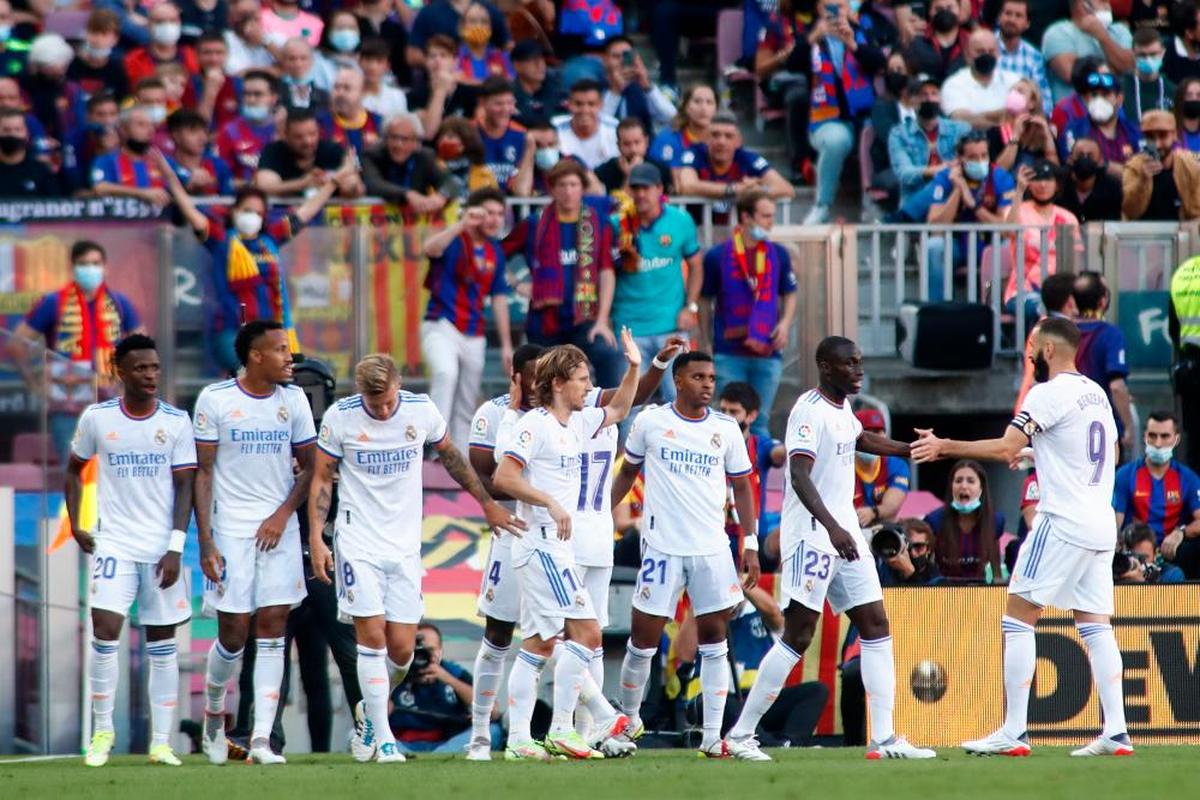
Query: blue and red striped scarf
x=591, y=242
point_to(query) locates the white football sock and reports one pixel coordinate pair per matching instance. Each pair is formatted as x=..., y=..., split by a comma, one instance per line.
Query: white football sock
x=594, y=706
x=773, y=672
x=397, y=674
x=879, y=682
x=163, y=689
x=373, y=681
x=102, y=682
x=268, y=682
x=635, y=674
x=714, y=685
x=489, y=668
x=1020, y=661
x=522, y=695
x=569, y=673
x=221, y=666
x=1107, y=672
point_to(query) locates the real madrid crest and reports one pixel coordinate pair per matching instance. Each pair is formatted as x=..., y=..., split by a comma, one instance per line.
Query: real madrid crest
x=410, y=433
x=716, y=441
x=160, y=436
x=282, y=414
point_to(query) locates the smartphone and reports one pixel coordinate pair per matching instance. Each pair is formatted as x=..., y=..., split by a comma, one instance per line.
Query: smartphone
x=627, y=58
x=832, y=11
x=1152, y=151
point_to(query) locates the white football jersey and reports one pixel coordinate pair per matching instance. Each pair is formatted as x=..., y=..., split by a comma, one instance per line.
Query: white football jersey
x=135, y=488
x=686, y=462
x=551, y=454
x=1070, y=424
x=592, y=523
x=485, y=425
x=828, y=434
x=254, y=437
x=380, y=496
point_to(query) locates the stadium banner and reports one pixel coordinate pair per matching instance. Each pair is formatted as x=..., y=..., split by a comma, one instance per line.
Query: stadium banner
x=949, y=672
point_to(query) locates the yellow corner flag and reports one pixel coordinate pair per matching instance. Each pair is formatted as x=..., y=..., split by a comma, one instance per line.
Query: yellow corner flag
x=87, y=509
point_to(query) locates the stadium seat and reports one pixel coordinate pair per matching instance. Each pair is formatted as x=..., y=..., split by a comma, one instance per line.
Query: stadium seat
x=729, y=46
x=22, y=477
x=31, y=447
x=69, y=24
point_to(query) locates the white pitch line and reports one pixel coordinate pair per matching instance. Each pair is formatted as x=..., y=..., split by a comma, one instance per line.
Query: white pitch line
x=34, y=759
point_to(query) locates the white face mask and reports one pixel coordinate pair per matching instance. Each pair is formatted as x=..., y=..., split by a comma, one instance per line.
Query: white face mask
x=248, y=223
x=166, y=32
x=157, y=114
x=1105, y=15
x=1100, y=109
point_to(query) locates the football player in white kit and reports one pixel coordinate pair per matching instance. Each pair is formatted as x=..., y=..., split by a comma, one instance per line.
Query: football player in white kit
x=248, y=431
x=1067, y=559
x=146, y=460
x=542, y=469
x=688, y=452
x=824, y=556
x=377, y=440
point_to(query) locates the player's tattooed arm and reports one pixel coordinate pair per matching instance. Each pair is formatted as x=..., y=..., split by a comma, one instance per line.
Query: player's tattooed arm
x=320, y=500
x=800, y=468
x=465, y=476
x=870, y=442
x=202, y=495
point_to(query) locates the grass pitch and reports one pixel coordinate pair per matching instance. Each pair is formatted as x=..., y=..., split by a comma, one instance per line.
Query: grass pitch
x=830, y=774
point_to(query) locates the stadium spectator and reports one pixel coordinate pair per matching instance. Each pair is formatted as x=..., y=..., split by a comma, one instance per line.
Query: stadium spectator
x=213, y=92
x=1182, y=59
x=915, y=564
x=922, y=144
x=1159, y=491
x=348, y=124
x=1040, y=184
x=881, y=483
x=569, y=249
x=751, y=289
x=587, y=134
x=910, y=23
x=198, y=17
x=630, y=91
x=459, y=150
x=1187, y=114
x=978, y=92
x=430, y=711
x=739, y=400
x=97, y=135
x=843, y=66
x=967, y=529
x=1058, y=299
x=1146, y=88
x=381, y=20
x=690, y=127
x=1024, y=136
x=54, y=100
x=284, y=20
x=1088, y=190
x=478, y=59
x=539, y=93
x=245, y=39
x=172, y=80
x=379, y=96
x=300, y=161
x=659, y=253
x=338, y=48
x=401, y=171
x=164, y=46
x=941, y=50
x=886, y=115
x=127, y=171
x=720, y=168
x=300, y=90
x=1152, y=14
x=633, y=142
x=247, y=271
x=134, y=27
x=466, y=267
x=1016, y=54
x=199, y=170
x=437, y=92
x=1101, y=353
x=1118, y=136
x=782, y=74
x=443, y=18
x=506, y=149
x=21, y=174
x=1140, y=541
x=1073, y=106
x=97, y=65
x=80, y=324
x=13, y=51
x=1158, y=184
x=1090, y=31
x=241, y=141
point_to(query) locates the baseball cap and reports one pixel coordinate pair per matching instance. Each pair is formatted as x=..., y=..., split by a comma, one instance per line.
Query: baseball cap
x=920, y=79
x=1043, y=170
x=871, y=419
x=527, y=49
x=1153, y=121
x=645, y=174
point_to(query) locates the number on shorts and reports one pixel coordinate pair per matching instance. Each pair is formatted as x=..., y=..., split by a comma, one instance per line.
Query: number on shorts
x=1096, y=451
x=570, y=576
x=596, y=496
x=494, y=573
x=347, y=574
x=105, y=567
x=811, y=558
x=648, y=566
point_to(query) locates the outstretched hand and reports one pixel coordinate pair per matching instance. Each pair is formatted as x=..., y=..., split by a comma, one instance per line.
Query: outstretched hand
x=927, y=447
x=633, y=354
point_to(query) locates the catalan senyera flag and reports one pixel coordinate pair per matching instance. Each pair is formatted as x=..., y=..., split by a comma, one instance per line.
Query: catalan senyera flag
x=88, y=511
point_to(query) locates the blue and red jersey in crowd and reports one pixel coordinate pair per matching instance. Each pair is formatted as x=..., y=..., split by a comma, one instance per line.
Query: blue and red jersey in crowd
x=1101, y=357
x=240, y=144
x=347, y=134
x=223, y=185
x=1163, y=504
x=121, y=168
x=459, y=281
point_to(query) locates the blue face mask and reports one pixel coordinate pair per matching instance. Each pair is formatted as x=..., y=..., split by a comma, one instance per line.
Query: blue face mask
x=344, y=40
x=975, y=170
x=760, y=233
x=1159, y=455
x=89, y=276
x=256, y=113
x=969, y=507
x=1149, y=65
x=545, y=158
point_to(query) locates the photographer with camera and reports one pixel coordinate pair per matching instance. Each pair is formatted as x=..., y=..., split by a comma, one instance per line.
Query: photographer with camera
x=431, y=710
x=1139, y=562
x=904, y=554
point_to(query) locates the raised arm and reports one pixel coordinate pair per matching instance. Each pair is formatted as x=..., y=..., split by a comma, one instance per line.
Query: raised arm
x=652, y=377
x=193, y=216
x=622, y=401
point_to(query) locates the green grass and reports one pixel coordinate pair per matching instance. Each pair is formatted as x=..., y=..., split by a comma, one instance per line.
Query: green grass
x=1162, y=772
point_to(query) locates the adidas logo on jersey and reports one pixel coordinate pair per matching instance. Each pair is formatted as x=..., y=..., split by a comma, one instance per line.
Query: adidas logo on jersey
x=236, y=414
x=362, y=437
x=111, y=436
x=670, y=434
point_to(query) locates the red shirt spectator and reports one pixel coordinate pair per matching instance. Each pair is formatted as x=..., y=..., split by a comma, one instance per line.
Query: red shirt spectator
x=164, y=47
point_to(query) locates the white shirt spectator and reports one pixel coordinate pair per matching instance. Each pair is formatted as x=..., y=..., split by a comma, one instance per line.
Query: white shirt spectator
x=963, y=92
x=662, y=110
x=593, y=151
x=387, y=103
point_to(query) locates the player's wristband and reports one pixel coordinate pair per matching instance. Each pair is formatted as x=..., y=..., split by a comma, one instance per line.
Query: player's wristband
x=749, y=544
x=178, y=537
x=660, y=364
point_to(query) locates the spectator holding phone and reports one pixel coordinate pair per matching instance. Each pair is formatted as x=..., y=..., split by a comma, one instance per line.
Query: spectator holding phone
x=1159, y=185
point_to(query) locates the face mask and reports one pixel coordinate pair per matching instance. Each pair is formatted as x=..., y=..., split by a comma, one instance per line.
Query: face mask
x=166, y=32
x=88, y=277
x=5, y=31
x=759, y=233
x=1149, y=65
x=11, y=145
x=158, y=114
x=944, y=20
x=855, y=5
x=1100, y=109
x=1041, y=368
x=929, y=109
x=919, y=562
x=476, y=35
x=136, y=147
x=1016, y=103
x=98, y=53
x=248, y=223
x=344, y=40
x=1085, y=168
x=545, y=158
x=1159, y=455
x=1191, y=109
x=969, y=507
x=984, y=64
x=449, y=148
x=975, y=170
x=895, y=82
x=256, y=113
x=1105, y=16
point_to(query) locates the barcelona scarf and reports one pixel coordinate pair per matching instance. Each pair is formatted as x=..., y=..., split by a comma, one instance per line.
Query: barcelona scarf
x=88, y=334
x=548, y=278
x=246, y=280
x=750, y=297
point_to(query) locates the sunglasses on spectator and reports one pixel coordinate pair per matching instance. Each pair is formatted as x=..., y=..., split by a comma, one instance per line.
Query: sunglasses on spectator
x=917, y=547
x=1101, y=80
